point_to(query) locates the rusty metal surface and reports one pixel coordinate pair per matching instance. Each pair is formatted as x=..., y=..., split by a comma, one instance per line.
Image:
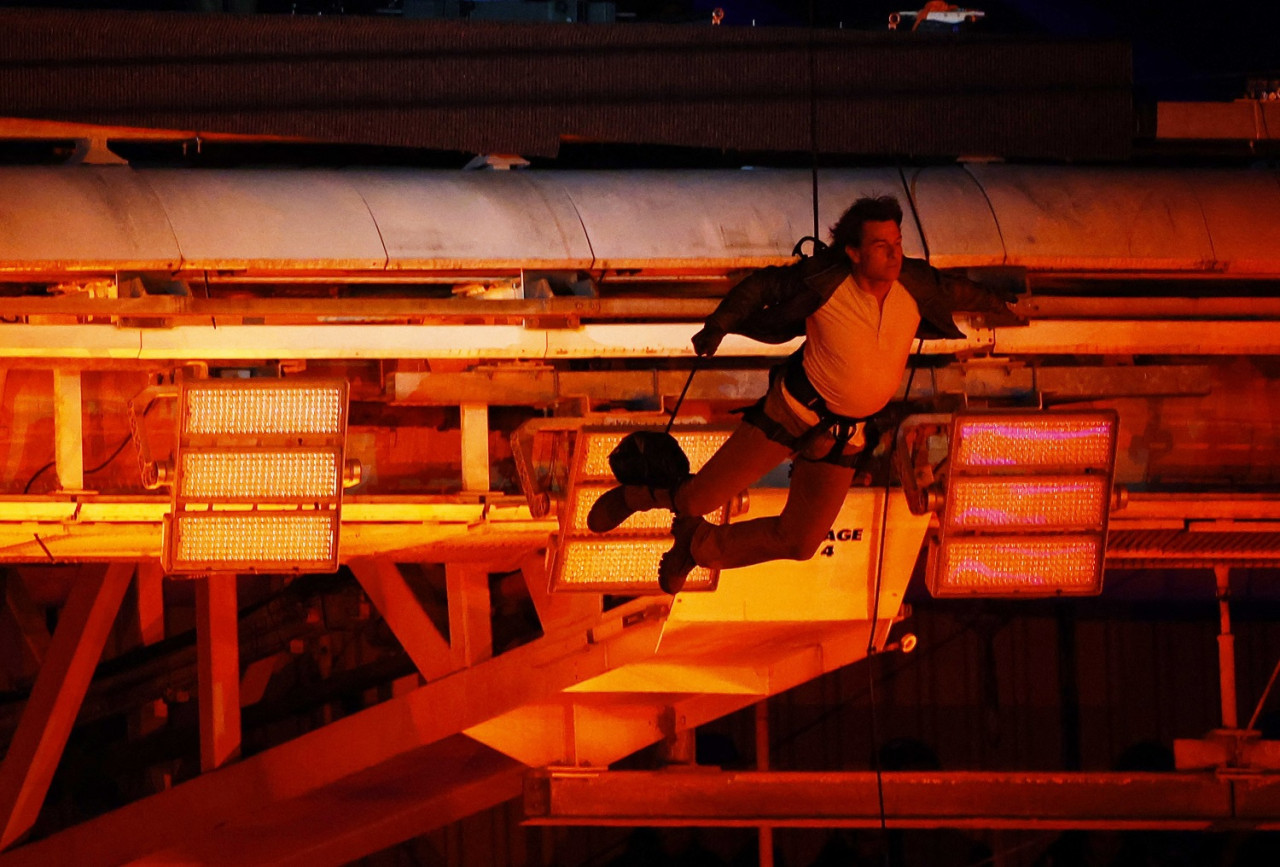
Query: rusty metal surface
x=911, y=799
x=1108, y=219
x=959, y=225
x=455, y=219
x=331, y=223
x=267, y=218
x=81, y=219
x=740, y=219
x=1242, y=213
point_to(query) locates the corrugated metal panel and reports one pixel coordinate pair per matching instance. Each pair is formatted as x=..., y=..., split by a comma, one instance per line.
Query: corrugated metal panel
x=267, y=219
x=958, y=224
x=1242, y=212
x=81, y=219
x=458, y=219
x=715, y=219
x=487, y=87
x=1055, y=218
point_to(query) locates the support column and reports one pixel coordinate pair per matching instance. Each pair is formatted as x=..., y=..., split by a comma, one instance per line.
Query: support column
x=1226, y=649
x=56, y=697
x=68, y=430
x=475, y=447
x=470, y=626
x=762, y=764
x=149, y=586
x=218, y=667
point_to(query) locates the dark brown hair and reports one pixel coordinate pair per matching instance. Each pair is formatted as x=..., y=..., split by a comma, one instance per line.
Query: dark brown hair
x=847, y=232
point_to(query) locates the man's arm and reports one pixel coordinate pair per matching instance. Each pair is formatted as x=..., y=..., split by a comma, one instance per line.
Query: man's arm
x=958, y=292
x=761, y=288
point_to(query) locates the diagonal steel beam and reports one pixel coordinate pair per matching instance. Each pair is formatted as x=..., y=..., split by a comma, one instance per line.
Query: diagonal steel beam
x=401, y=608
x=377, y=736
x=59, y=689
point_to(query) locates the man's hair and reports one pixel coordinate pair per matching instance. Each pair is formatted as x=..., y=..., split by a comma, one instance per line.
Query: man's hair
x=847, y=232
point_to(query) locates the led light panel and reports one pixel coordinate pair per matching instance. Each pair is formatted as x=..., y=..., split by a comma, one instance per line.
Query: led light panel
x=273, y=408
x=311, y=474
x=254, y=541
x=1019, y=566
x=699, y=445
x=653, y=522
x=1033, y=502
x=619, y=566
x=1066, y=440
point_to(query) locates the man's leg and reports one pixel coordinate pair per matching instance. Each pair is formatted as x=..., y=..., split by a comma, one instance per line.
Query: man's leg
x=816, y=494
x=746, y=456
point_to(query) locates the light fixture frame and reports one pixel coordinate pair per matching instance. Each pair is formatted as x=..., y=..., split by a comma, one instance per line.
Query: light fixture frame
x=211, y=507
x=700, y=579
x=952, y=533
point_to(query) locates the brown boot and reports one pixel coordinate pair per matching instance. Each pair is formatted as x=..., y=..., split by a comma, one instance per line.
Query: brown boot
x=676, y=564
x=620, y=503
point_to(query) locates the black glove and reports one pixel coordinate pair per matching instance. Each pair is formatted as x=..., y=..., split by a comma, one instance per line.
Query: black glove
x=707, y=341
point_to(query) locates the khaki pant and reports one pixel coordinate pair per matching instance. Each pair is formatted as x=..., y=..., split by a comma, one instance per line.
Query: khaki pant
x=817, y=491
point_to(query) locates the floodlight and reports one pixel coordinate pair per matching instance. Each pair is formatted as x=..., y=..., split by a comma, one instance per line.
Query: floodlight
x=625, y=560
x=1018, y=566
x=595, y=444
x=228, y=407
x=260, y=475
x=258, y=478
x=619, y=565
x=1068, y=440
x=1035, y=502
x=1028, y=498
x=253, y=541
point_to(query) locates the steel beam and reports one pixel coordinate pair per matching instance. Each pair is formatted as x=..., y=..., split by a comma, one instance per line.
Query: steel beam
x=376, y=738
x=68, y=429
x=59, y=689
x=218, y=664
x=403, y=611
x=1165, y=801
x=606, y=340
x=474, y=421
x=470, y=627
x=30, y=619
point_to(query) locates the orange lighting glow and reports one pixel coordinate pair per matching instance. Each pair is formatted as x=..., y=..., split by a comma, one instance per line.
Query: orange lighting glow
x=618, y=566
x=596, y=445
x=626, y=559
x=1019, y=565
x=1066, y=440
x=216, y=408
x=260, y=475
x=260, y=466
x=1040, y=502
x=254, y=541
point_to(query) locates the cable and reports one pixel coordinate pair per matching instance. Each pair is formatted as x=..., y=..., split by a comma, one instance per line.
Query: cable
x=26, y=489
x=680, y=400
x=38, y=473
x=875, y=620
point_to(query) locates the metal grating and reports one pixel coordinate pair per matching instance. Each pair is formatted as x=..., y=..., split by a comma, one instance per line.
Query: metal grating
x=1182, y=548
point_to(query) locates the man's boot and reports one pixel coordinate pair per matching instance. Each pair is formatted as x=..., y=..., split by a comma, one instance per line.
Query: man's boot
x=620, y=503
x=676, y=564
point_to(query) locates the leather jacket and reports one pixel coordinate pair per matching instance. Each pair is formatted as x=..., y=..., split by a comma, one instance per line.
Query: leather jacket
x=771, y=304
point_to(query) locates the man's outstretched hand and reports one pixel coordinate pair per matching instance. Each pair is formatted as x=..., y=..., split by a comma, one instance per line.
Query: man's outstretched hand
x=707, y=341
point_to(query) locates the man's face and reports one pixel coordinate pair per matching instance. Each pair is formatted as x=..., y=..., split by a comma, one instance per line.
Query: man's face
x=879, y=256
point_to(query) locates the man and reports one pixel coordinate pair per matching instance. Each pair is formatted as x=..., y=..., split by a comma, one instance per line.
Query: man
x=860, y=305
